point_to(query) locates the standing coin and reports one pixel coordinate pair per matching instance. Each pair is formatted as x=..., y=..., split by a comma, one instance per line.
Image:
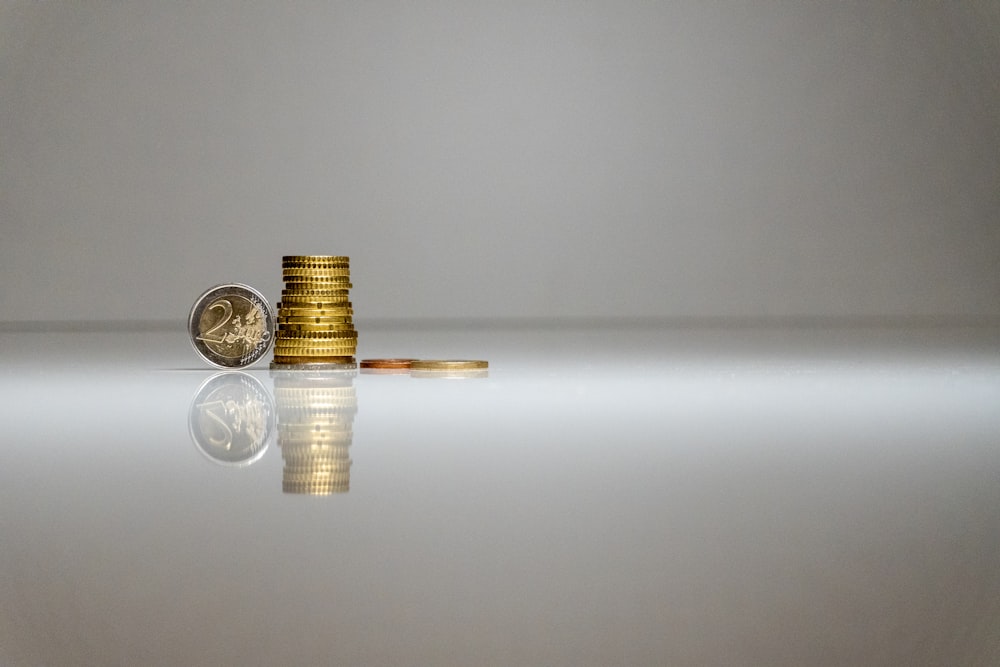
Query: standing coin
x=231, y=326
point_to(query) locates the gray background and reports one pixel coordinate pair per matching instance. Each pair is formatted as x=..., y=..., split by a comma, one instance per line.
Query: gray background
x=692, y=159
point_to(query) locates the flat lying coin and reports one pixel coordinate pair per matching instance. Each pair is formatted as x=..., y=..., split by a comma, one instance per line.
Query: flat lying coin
x=332, y=362
x=231, y=326
x=448, y=364
x=396, y=364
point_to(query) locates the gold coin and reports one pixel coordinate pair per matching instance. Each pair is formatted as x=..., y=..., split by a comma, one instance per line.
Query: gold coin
x=313, y=354
x=315, y=294
x=315, y=277
x=386, y=364
x=315, y=266
x=324, y=351
x=294, y=330
x=315, y=262
x=448, y=364
x=314, y=283
x=305, y=300
x=294, y=271
x=291, y=331
x=334, y=361
x=316, y=310
x=313, y=303
x=319, y=336
x=325, y=337
x=316, y=322
x=316, y=319
x=293, y=347
x=316, y=259
x=335, y=346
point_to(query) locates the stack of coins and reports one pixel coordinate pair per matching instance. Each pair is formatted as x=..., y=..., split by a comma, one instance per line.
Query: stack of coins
x=315, y=317
x=315, y=428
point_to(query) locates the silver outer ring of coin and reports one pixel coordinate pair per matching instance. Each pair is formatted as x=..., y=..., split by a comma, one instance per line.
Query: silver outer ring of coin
x=229, y=343
x=209, y=408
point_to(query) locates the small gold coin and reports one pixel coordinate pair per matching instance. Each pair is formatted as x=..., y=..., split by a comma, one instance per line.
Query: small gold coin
x=322, y=310
x=316, y=336
x=335, y=361
x=316, y=350
x=338, y=351
x=395, y=364
x=307, y=290
x=318, y=319
x=292, y=271
x=327, y=354
x=448, y=364
x=294, y=329
x=315, y=259
x=317, y=282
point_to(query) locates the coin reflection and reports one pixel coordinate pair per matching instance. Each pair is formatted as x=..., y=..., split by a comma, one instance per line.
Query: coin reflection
x=231, y=419
x=315, y=426
x=451, y=375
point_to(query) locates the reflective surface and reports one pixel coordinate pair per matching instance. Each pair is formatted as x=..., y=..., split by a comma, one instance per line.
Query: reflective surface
x=631, y=495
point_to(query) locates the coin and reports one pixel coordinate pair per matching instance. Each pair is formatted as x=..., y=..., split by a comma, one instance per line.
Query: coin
x=320, y=280
x=394, y=364
x=324, y=350
x=315, y=259
x=332, y=362
x=448, y=364
x=325, y=355
x=339, y=297
x=290, y=311
x=315, y=337
x=231, y=326
x=232, y=418
x=292, y=331
x=314, y=319
x=290, y=271
x=313, y=292
x=311, y=306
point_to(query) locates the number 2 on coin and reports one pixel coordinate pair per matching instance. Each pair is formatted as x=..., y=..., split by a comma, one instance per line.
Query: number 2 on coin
x=227, y=314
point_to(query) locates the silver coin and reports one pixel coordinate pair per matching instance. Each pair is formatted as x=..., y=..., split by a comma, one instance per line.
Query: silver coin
x=231, y=326
x=232, y=419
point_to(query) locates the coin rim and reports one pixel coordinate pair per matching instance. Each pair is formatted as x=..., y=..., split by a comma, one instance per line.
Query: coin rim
x=271, y=324
x=449, y=364
x=388, y=363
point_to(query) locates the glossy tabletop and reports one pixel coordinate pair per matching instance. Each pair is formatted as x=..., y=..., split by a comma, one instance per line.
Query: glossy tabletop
x=634, y=494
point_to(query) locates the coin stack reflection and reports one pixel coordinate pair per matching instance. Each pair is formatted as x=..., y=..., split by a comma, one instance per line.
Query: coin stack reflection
x=315, y=317
x=315, y=427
